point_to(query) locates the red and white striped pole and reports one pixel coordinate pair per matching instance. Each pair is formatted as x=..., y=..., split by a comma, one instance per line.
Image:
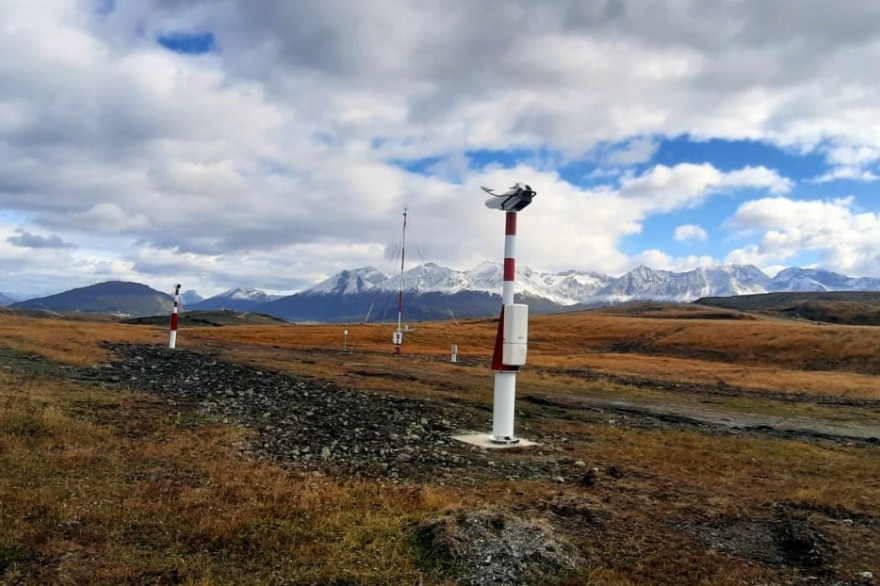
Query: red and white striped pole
x=503, y=410
x=512, y=337
x=172, y=334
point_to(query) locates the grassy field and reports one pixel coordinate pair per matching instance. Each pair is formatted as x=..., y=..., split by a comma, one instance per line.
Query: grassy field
x=106, y=486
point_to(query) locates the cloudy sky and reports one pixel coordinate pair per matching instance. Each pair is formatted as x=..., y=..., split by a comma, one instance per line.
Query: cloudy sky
x=271, y=144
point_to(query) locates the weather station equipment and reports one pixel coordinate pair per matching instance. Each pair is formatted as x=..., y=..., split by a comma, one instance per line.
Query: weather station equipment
x=511, y=341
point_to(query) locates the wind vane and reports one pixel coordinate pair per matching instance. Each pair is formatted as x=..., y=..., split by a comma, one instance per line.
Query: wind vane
x=513, y=200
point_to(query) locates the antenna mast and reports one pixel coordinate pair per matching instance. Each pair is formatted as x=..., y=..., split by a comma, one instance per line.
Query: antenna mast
x=398, y=334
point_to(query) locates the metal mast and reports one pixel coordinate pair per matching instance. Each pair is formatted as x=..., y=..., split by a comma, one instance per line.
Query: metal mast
x=398, y=335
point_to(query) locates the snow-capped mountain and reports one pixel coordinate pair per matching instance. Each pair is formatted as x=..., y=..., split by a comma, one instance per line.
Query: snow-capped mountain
x=349, y=281
x=795, y=279
x=564, y=289
x=433, y=292
x=238, y=299
x=568, y=288
x=719, y=280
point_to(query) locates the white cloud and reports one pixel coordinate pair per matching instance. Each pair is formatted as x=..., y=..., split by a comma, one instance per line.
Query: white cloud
x=687, y=232
x=636, y=151
x=843, y=237
x=664, y=188
x=851, y=162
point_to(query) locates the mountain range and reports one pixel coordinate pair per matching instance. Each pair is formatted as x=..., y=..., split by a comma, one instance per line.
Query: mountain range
x=435, y=292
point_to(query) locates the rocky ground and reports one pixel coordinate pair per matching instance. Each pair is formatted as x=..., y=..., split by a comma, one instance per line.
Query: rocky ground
x=323, y=427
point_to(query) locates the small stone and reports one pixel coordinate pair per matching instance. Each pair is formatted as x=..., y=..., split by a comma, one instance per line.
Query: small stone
x=580, y=464
x=590, y=478
x=866, y=575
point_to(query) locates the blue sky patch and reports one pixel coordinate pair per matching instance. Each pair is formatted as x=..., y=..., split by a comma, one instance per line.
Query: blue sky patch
x=105, y=7
x=729, y=155
x=187, y=43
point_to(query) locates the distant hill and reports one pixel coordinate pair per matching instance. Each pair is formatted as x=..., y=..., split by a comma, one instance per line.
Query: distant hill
x=113, y=297
x=225, y=317
x=6, y=300
x=835, y=307
x=669, y=310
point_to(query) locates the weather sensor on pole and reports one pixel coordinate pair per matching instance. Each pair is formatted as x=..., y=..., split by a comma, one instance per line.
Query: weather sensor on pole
x=513, y=326
x=172, y=333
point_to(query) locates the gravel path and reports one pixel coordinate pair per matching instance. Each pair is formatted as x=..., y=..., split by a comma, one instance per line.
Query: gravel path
x=323, y=427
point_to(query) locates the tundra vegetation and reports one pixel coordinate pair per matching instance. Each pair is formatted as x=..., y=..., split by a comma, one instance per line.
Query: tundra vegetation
x=676, y=445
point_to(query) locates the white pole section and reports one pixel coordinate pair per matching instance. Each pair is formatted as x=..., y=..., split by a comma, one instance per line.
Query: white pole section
x=172, y=333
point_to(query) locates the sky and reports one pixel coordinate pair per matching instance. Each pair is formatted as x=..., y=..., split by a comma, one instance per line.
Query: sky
x=271, y=144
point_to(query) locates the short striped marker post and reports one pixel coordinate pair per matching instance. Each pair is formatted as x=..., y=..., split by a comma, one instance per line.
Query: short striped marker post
x=172, y=333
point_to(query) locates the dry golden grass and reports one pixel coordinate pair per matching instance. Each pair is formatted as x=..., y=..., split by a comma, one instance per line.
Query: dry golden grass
x=71, y=341
x=100, y=486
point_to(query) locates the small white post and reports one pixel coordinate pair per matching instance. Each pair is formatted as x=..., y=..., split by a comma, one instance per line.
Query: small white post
x=345, y=340
x=455, y=353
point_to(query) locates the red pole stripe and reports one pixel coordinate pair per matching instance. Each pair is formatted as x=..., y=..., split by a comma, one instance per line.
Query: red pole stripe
x=510, y=225
x=509, y=269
